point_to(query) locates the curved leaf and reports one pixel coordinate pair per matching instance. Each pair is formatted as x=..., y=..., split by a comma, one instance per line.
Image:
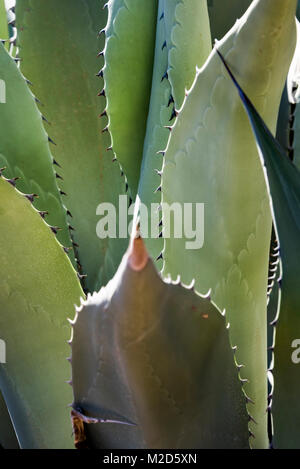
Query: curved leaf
x=158, y=368
x=24, y=147
x=211, y=158
x=129, y=53
x=182, y=44
x=189, y=43
x=62, y=66
x=283, y=181
x=160, y=115
x=38, y=287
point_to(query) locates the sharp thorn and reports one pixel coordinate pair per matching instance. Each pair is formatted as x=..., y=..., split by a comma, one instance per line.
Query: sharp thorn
x=171, y=100
x=51, y=141
x=56, y=163
x=174, y=114
x=31, y=197
x=103, y=114
x=43, y=214
x=13, y=181
x=164, y=76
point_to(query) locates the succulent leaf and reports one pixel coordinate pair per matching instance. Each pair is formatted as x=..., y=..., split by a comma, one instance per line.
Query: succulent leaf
x=66, y=83
x=38, y=286
x=128, y=54
x=188, y=41
x=157, y=134
x=152, y=364
x=283, y=182
x=211, y=158
x=24, y=147
x=174, y=71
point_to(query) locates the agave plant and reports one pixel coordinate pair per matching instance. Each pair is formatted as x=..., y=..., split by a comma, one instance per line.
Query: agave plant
x=171, y=347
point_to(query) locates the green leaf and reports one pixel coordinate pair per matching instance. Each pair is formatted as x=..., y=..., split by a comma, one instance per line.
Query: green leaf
x=189, y=43
x=179, y=23
x=129, y=53
x=223, y=15
x=151, y=360
x=283, y=182
x=24, y=148
x=38, y=288
x=62, y=65
x=8, y=439
x=211, y=158
x=160, y=115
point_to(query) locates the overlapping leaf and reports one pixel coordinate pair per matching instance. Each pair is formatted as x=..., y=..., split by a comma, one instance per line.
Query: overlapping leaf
x=211, y=158
x=182, y=44
x=129, y=53
x=62, y=66
x=38, y=287
x=24, y=146
x=153, y=366
x=283, y=181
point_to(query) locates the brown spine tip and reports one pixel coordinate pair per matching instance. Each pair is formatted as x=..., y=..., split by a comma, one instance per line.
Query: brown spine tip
x=137, y=255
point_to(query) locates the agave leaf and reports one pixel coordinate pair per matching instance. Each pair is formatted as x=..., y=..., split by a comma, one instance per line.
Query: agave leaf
x=129, y=53
x=283, y=182
x=24, y=148
x=159, y=117
x=66, y=84
x=38, y=286
x=223, y=15
x=8, y=439
x=187, y=23
x=211, y=158
x=158, y=367
x=174, y=71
